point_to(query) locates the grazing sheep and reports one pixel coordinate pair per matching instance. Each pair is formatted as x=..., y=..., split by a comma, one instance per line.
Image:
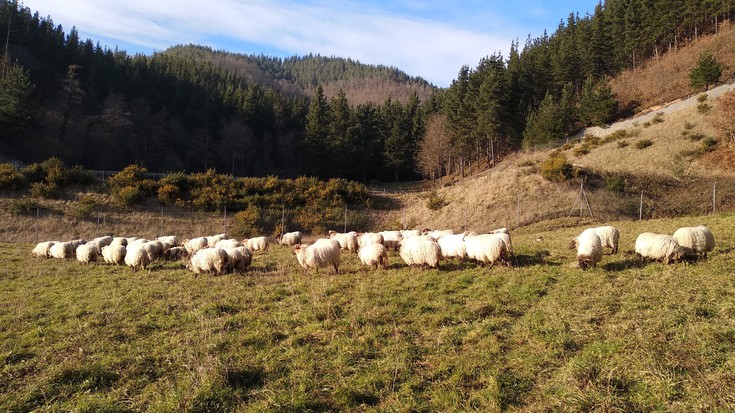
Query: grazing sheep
x=487, y=248
x=589, y=249
x=168, y=241
x=291, y=238
x=41, y=250
x=154, y=248
x=208, y=260
x=257, y=244
x=213, y=239
x=609, y=237
x=500, y=231
x=238, y=259
x=320, y=254
x=63, y=250
x=391, y=239
x=100, y=242
x=659, y=247
x=136, y=256
x=374, y=255
x=227, y=243
x=119, y=241
x=406, y=233
x=421, y=250
x=195, y=244
x=453, y=246
x=114, y=254
x=699, y=239
x=175, y=254
x=436, y=234
x=369, y=238
x=347, y=241
x=86, y=253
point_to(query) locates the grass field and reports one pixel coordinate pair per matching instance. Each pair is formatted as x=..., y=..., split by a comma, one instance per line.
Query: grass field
x=541, y=336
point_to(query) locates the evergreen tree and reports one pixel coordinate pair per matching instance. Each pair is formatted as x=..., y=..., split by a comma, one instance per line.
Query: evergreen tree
x=707, y=72
x=316, y=132
x=597, y=104
x=15, y=100
x=543, y=125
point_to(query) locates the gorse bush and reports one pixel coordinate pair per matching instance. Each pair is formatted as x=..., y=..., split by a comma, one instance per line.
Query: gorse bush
x=643, y=143
x=10, y=177
x=24, y=206
x=46, y=190
x=434, y=201
x=556, y=168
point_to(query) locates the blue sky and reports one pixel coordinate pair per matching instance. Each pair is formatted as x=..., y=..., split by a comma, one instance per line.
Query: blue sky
x=431, y=39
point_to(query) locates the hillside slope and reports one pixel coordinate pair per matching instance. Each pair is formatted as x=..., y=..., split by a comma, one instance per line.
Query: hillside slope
x=675, y=173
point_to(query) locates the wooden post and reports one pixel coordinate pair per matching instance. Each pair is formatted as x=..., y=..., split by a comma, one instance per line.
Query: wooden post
x=98, y=222
x=714, y=197
x=345, y=231
x=283, y=218
x=38, y=212
x=162, y=221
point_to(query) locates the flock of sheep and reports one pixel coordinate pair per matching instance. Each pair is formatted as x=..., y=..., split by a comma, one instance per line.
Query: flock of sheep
x=685, y=242
x=218, y=254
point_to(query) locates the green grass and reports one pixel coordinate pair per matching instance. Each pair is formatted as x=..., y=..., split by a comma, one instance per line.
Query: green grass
x=542, y=335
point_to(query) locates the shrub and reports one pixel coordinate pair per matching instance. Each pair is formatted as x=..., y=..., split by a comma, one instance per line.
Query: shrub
x=43, y=190
x=581, y=150
x=168, y=194
x=128, y=195
x=567, y=146
x=130, y=176
x=643, y=143
x=77, y=175
x=82, y=211
x=688, y=125
x=434, y=201
x=615, y=183
x=592, y=139
x=702, y=97
x=646, y=124
x=10, y=177
x=55, y=171
x=33, y=173
x=695, y=137
x=24, y=206
x=623, y=144
x=657, y=118
x=708, y=145
x=703, y=108
x=245, y=223
x=556, y=169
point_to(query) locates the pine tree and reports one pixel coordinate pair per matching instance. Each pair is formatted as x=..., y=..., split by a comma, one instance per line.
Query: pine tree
x=543, y=125
x=707, y=72
x=15, y=100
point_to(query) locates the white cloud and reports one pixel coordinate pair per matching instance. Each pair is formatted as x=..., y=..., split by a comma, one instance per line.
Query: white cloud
x=421, y=46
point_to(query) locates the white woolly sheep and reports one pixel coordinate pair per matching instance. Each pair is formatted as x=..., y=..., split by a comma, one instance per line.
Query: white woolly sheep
x=589, y=249
x=195, y=244
x=291, y=238
x=154, y=248
x=391, y=239
x=64, y=250
x=119, y=241
x=213, y=239
x=500, y=231
x=100, y=242
x=322, y=253
x=698, y=239
x=114, y=254
x=609, y=236
x=257, y=244
x=421, y=250
x=41, y=250
x=168, y=241
x=369, y=238
x=374, y=255
x=347, y=241
x=136, y=256
x=659, y=247
x=406, y=233
x=436, y=234
x=175, y=253
x=86, y=253
x=227, y=243
x=487, y=248
x=208, y=260
x=453, y=246
x=238, y=259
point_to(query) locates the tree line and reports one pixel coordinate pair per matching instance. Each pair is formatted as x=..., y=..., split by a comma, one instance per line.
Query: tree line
x=193, y=109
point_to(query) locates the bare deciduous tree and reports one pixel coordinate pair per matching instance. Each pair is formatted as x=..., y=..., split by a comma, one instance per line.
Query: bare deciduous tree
x=434, y=147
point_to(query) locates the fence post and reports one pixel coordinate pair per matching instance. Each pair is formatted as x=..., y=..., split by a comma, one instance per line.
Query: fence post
x=283, y=218
x=98, y=223
x=714, y=197
x=345, y=231
x=162, y=221
x=38, y=212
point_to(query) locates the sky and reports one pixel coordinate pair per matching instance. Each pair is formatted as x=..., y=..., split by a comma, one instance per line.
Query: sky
x=432, y=39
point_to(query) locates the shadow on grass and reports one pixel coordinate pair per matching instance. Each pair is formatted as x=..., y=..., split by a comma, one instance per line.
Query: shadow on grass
x=539, y=258
x=623, y=265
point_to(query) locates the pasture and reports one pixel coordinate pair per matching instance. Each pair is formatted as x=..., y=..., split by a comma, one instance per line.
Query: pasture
x=540, y=336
